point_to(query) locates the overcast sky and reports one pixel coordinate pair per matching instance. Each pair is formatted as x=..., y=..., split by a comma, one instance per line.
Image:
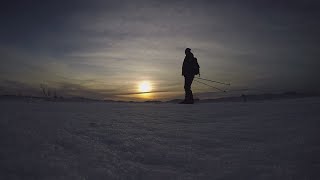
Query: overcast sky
x=103, y=49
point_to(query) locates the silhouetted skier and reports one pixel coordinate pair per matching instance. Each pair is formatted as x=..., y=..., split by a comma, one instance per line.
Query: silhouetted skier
x=244, y=97
x=190, y=68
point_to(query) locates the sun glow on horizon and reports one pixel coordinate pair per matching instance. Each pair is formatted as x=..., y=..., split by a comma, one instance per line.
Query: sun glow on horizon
x=145, y=87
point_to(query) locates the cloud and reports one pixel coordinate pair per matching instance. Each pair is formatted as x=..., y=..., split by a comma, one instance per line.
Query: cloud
x=114, y=44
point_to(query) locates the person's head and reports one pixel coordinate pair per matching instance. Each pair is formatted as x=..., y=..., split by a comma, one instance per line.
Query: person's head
x=187, y=51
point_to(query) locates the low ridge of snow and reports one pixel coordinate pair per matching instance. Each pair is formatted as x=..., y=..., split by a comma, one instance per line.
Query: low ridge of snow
x=254, y=140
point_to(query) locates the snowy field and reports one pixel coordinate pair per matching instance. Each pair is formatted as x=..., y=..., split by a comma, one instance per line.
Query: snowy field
x=271, y=140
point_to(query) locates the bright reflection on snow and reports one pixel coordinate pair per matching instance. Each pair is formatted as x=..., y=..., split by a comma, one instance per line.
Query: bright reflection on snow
x=145, y=96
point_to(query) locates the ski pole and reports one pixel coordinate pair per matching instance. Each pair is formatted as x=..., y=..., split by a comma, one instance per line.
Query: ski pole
x=210, y=86
x=228, y=84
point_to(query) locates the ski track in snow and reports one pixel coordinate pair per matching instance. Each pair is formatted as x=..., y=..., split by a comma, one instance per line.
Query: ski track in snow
x=223, y=141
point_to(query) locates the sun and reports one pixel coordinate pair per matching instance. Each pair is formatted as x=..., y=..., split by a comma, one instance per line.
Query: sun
x=145, y=87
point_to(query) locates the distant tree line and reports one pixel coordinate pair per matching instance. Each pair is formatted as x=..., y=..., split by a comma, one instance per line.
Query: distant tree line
x=49, y=93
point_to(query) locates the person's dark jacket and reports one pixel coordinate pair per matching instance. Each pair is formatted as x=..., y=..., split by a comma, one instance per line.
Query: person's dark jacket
x=189, y=66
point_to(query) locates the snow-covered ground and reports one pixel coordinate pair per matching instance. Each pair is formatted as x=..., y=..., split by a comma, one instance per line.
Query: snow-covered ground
x=250, y=141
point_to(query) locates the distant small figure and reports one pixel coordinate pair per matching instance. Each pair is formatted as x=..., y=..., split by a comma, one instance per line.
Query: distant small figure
x=244, y=97
x=190, y=68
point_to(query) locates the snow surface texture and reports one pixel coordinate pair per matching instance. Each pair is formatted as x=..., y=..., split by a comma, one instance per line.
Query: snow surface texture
x=254, y=140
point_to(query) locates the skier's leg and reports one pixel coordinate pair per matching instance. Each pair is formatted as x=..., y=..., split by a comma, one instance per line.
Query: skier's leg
x=186, y=89
x=188, y=82
x=191, y=95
